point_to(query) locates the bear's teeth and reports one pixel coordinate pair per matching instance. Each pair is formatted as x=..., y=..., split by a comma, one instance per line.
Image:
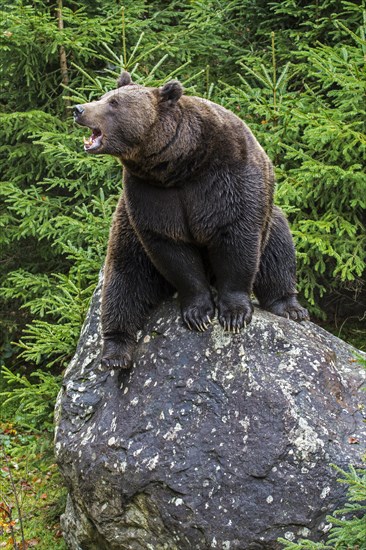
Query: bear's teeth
x=88, y=141
x=94, y=141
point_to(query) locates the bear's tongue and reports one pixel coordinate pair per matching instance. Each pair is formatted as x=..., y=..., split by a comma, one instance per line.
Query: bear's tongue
x=93, y=141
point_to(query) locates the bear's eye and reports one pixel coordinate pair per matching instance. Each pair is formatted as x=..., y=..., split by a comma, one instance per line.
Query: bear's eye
x=113, y=102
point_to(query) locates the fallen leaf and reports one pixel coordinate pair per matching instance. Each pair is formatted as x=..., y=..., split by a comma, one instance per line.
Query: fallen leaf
x=31, y=542
x=25, y=485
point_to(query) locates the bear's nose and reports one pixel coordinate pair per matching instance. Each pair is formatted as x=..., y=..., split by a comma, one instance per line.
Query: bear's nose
x=78, y=110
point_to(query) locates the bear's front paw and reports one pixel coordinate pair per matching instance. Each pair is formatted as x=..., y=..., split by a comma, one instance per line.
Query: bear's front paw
x=198, y=313
x=117, y=354
x=235, y=311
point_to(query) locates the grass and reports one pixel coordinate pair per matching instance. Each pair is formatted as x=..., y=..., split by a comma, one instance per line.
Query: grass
x=31, y=493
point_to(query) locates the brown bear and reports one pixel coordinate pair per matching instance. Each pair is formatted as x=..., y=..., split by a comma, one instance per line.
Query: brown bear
x=197, y=208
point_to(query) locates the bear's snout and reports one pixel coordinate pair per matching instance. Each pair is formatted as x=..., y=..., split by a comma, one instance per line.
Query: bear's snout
x=78, y=111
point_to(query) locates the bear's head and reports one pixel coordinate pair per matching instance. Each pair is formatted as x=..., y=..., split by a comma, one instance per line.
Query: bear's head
x=123, y=119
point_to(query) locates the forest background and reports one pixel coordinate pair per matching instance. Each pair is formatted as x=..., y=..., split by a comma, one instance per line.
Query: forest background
x=294, y=71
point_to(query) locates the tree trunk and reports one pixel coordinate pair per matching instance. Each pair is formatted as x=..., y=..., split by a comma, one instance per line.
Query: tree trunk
x=62, y=52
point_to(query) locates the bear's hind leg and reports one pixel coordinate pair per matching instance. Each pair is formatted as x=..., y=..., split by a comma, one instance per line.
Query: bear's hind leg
x=131, y=287
x=275, y=282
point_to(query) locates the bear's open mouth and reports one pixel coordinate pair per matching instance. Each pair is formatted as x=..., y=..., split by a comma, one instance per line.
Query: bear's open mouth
x=94, y=141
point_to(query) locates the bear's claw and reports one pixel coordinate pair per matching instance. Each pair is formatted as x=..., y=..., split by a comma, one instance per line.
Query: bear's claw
x=290, y=308
x=235, y=312
x=117, y=363
x=116, y=354
x=198, y=315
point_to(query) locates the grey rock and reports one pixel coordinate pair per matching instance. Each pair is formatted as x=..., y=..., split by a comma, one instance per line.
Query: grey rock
x=212, y=440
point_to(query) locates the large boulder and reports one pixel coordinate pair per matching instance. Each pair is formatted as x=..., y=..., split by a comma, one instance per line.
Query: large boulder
x=212, y=440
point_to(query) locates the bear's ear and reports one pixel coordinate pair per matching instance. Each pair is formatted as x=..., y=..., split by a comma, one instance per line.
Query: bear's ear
x=124, y=79
x=171, y=91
